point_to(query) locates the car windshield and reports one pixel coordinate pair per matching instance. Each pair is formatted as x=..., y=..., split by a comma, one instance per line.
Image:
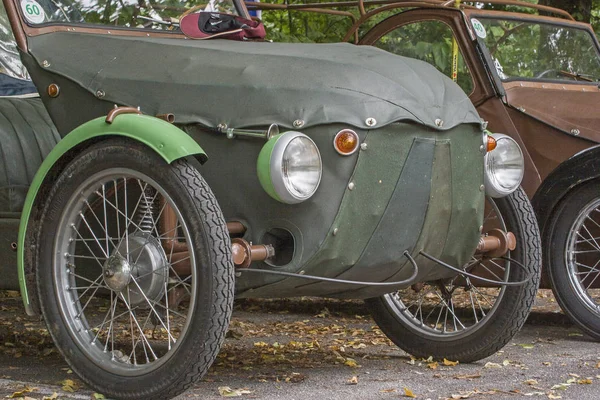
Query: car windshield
x=145, y=14
x=532, y=50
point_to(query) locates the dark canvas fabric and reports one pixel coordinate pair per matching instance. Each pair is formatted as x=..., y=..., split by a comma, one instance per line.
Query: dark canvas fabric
x=249, y=84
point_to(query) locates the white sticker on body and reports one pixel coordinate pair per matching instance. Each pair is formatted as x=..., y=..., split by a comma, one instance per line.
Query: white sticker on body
x=32, y=11
x=478, y=27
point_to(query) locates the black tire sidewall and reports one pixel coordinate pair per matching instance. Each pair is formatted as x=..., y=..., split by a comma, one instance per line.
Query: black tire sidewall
x=117, y=153
x=555, y=247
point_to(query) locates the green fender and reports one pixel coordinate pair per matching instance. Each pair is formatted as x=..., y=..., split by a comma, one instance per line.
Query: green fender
x=170, y=142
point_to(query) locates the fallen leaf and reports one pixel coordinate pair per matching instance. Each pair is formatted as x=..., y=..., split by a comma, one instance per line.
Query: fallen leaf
x=226, y=391
x=98, y=396
x=433, y=365
x=490, y=364
x=351, y=363
x=22, y=392
x=575, y=334
x=54, y=396
x=69, y=386
x=554, y=396
x=387, y=390
x=506, y=362
x=461, y=396
x=586, y=381
x=561, y=386
x=531, y=382
x=409, y=393
x=449, y=363
x=472, y=376
x=352, y=381
x=526, y=345
x=598, y=364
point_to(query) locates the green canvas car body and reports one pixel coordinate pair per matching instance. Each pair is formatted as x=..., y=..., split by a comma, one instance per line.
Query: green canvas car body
x=166, y=176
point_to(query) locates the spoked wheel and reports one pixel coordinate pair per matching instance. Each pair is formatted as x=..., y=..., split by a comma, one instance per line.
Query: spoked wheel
x=572, y=256
x=135, y=277
x=467, y=319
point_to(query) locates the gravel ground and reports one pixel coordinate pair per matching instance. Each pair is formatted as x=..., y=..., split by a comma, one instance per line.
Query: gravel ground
x=327, y=349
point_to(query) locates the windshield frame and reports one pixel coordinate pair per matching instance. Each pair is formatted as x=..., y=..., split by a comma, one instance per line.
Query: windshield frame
x=539, y=20
x=22, y=29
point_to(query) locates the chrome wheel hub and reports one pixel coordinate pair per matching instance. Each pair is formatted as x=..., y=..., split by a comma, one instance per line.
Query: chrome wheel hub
x=117, y=273
x=149, y=268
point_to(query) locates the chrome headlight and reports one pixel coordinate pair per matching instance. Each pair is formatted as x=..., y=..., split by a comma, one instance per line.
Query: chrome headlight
x=504, y=167
x=289, y=167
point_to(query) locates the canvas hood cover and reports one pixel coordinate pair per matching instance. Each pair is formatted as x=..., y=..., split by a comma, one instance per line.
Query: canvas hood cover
x=248, y=84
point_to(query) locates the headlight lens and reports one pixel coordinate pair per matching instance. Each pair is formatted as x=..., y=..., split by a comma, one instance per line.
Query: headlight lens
x=301, y=167
x=289, y=167
x=504, y=167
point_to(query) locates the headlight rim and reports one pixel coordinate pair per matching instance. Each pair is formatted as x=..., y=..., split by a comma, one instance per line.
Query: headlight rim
x=276, y=172
x=491, y=188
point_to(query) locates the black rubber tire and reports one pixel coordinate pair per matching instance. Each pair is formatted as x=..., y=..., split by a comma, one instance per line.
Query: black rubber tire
x=503, y=324
x=198, y=348
x=555, y=250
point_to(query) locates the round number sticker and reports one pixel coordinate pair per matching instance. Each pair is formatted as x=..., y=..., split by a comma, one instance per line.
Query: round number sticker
x=478, y=27
x=32, y=11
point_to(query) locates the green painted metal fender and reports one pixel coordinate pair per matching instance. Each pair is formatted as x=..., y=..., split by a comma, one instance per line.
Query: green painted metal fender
x=170, y=142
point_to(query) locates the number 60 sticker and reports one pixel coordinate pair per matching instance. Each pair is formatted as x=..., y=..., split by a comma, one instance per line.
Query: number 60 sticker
x=32, y=11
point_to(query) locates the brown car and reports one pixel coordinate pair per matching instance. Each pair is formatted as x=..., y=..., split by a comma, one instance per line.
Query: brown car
x=533, y=73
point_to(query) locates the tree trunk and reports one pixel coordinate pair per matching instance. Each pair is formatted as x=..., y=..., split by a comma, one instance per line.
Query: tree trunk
x=581, y=10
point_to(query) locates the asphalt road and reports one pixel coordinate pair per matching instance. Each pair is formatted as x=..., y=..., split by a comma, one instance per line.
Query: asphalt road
x=318, y=349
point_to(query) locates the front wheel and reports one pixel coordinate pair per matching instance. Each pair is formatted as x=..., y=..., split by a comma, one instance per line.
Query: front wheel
x=135, y=277
x=572, y=256
x=461, y=318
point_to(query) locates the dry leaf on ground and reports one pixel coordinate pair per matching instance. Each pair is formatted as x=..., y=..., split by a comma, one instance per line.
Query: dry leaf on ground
x=21, y=393
x=470, y=377
x=409, y=393
x=226, y=391
x=490, y=364
x=69, y=386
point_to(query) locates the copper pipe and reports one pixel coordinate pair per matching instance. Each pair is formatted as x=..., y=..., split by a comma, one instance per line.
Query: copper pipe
x=488, y=243
x=236, y=228
x=496, y=243
x=168, y=227
x=181, y=263
x=243, y=253
x=170, y=118
x=115, y=112
x=361, y=7
x=354, y=28
x=176, y=295
x=538, y=7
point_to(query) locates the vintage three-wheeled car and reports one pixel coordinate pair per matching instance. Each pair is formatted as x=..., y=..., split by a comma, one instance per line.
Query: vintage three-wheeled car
x=533, y=73
x=334, y=170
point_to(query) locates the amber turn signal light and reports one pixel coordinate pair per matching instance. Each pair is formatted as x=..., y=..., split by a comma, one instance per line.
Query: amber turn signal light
x=346, y=142
x=491, y=143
